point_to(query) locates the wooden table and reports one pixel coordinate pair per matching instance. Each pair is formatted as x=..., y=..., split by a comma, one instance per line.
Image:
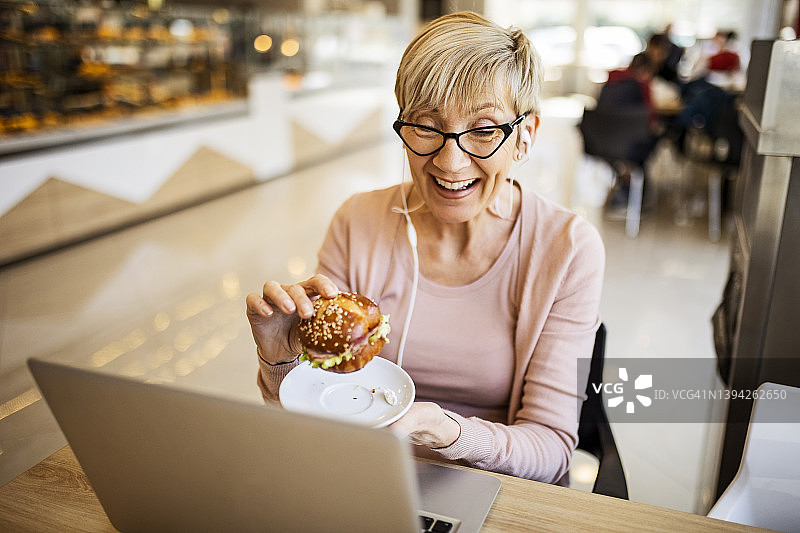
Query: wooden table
x=56, y=496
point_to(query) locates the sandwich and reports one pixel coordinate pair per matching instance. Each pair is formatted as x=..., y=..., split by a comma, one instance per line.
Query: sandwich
x=344, y=334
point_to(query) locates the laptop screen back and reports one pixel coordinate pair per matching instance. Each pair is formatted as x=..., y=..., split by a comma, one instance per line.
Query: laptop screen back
x=165, y=459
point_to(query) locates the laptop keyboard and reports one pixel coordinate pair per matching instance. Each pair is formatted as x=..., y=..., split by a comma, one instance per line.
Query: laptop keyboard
x=437, y=524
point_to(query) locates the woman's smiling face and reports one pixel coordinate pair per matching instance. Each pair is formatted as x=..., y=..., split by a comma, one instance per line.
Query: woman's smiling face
x=455, y=186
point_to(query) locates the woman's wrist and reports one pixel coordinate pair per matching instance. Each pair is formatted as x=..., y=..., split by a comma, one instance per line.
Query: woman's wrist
x=451, y=431
x=277, y=363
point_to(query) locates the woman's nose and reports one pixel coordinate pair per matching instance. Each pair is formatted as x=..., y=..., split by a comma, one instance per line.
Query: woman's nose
x=451, y=157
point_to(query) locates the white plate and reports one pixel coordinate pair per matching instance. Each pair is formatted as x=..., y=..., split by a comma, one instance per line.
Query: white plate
x=358, y=397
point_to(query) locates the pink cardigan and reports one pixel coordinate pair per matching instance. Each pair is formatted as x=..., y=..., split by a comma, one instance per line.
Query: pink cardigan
x=561, y=262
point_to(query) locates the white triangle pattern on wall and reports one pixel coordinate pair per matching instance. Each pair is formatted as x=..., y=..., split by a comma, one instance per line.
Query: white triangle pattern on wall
x=134, y=167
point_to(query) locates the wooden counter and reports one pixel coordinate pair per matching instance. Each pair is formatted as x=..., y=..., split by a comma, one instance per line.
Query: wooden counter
x=56, y=496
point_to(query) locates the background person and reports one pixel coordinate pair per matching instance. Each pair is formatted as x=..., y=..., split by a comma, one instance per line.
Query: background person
x=629, y=89
x=509, y=283
x=718, y=62
x=709, y=96
x=665, y=57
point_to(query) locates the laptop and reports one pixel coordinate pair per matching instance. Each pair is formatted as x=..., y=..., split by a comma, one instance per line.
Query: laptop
x=161, y=458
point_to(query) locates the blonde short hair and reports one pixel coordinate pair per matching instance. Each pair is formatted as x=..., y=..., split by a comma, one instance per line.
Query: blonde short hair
x=463, y=57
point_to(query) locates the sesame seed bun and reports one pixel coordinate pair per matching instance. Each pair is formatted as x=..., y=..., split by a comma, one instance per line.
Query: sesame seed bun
x=343, y=335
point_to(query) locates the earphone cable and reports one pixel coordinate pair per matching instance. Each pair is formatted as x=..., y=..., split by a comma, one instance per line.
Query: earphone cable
x=412, y=241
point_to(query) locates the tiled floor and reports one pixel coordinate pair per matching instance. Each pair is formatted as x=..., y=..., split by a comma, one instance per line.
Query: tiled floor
x=165, y=300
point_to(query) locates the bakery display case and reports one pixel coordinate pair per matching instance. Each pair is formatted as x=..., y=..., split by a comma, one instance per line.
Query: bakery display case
x=113, y=112
x=77, y=70
x=79, y=65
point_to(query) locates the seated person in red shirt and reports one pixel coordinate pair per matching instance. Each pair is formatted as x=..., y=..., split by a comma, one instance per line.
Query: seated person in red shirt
x=725, y=59
x=629, y=88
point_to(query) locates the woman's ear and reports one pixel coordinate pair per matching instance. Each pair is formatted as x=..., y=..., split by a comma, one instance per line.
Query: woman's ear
x=528, y=130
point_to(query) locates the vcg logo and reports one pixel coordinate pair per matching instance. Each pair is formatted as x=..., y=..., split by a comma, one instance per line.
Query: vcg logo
x=617, y=390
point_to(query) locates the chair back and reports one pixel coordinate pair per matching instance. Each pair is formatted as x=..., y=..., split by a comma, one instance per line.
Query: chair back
x=766, y=490
x=617, y=134
x=621, y=93
x=594, y=431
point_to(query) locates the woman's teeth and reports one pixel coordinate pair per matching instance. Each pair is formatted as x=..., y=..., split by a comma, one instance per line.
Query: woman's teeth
x=455, y=185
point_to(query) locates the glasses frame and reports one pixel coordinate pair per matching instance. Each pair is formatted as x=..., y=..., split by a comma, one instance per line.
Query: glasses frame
x=507, y=130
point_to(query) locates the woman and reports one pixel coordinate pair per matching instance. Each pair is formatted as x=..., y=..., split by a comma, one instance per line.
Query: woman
x=508, y=283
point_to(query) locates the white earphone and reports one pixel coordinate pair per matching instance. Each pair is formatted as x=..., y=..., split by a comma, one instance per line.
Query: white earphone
x=527, y=145
x=527, y=141
x=412, y=241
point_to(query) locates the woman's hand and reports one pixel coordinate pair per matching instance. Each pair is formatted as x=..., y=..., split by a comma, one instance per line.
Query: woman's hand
x=426, y=424
x=276, y=313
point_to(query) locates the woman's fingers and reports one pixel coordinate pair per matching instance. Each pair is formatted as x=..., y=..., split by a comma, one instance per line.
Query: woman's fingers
x=321, y=285
x=276, y=333
x=294, y=298
x=275, y=295
x=257, y=306
x=300, y=299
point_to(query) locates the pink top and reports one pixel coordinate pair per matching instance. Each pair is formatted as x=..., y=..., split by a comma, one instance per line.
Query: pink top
x=459, y=353
x=501, y=354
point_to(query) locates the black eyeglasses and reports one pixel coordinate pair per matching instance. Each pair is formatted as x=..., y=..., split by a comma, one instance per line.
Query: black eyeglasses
x=480, y=142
